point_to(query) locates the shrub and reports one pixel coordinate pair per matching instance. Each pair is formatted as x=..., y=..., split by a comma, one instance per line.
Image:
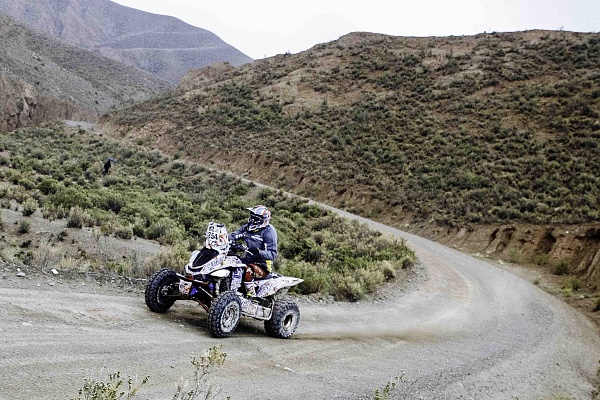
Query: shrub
x=514, y=255
x=165, y=231
x=386, y=392
x=204, y=366
x=561, y=268
x=24, y=226
x=78, y=217
x=541, y=259
x=145, y=199
x=573, y=284
x=48, y=186
x=111, y=390
x=29, y=206
x=52, y=212
x=173, y=258
x=123, y=232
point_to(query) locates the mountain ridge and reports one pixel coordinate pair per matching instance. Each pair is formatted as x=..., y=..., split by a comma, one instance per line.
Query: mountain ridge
x=126, y=35
x=44, y=79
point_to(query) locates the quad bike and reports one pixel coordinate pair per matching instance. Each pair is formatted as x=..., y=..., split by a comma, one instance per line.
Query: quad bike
x=213, y=278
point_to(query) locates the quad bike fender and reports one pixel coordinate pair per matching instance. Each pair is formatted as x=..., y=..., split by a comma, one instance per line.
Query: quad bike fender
x=269, y=287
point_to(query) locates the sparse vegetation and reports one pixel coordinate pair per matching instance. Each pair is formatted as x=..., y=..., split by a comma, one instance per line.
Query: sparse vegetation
x=152, y=196
x=199, y=387
x=561, y=268
x=597, y=305
x=387, y=391
x=573, y=284
x=485, y=129
x=29, y=206
x=111, y=390
x=24, y=226
x=204, y=366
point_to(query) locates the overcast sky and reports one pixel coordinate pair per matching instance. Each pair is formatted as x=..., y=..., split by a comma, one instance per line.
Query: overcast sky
x=264, y=28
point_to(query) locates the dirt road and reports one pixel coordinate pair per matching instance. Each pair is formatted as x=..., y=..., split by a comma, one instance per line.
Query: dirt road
x=466, y=329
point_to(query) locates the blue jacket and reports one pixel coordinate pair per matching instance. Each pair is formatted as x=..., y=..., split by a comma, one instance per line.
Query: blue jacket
x=265, y=240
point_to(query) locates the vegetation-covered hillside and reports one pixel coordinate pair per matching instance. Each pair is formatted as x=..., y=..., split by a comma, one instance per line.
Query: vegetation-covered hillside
x=492, y=128
x=58, y=173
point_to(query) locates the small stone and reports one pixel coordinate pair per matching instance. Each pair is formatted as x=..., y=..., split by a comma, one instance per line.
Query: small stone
x=21, y=274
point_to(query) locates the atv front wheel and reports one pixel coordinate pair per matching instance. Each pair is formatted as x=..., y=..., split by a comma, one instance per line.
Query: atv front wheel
x=285, y=318
x=224, y=314
x=161, y=290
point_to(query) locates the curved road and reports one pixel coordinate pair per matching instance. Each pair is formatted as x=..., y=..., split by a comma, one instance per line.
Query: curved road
x=468, y=330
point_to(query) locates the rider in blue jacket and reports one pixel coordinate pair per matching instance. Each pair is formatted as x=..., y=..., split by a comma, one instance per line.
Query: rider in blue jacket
x=261, y=239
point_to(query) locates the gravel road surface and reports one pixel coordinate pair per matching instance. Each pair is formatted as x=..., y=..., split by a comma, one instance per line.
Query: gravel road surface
x=465, y=329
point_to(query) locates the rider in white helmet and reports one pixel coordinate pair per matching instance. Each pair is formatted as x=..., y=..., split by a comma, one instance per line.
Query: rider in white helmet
x=261, y=239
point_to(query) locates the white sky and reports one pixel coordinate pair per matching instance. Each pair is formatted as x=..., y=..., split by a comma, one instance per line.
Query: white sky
x=264, y=28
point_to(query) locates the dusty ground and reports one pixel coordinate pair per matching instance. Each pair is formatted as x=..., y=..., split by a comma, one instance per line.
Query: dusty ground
x=458, y=327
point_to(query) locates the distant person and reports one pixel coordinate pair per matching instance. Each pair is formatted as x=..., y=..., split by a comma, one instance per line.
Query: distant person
x=107, y=165
x=261, y=239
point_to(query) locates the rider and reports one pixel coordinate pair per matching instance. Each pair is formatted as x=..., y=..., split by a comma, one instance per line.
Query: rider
x=261, y=239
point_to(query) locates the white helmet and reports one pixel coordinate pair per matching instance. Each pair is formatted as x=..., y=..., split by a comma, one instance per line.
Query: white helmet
x=260, y=216
x=216, y=237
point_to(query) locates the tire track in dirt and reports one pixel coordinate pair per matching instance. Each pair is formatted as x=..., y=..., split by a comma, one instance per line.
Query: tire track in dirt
x=468, y=329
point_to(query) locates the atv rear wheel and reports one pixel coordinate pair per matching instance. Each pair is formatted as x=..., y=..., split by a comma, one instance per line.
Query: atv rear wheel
x=162, y=285
x=224, y=314
x=285, y=318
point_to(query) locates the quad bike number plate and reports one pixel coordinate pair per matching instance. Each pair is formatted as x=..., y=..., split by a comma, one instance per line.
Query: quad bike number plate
x=184, y=287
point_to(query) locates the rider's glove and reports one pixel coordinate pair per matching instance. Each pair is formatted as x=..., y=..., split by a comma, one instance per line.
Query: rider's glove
x=233, y=238
x=254, y=251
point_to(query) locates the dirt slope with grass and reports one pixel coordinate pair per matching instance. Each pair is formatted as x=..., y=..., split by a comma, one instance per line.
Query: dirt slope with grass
x=458, y=328
x=488, y=141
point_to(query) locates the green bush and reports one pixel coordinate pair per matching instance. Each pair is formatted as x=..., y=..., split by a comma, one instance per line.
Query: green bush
x=174, y=205
x=165, y=230
x=561, y=268
x=24, y=226
x=123, y=232
x=78, y=218
x=30, y=206
x=111, y=390
x=573, y=283
x=174, y=257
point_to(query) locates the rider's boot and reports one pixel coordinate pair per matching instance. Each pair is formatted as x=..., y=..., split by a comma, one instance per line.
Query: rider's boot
x=250, y=289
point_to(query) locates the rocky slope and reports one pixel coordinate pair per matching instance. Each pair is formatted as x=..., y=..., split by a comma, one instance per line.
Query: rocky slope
x=163, y=46
x=43, y=79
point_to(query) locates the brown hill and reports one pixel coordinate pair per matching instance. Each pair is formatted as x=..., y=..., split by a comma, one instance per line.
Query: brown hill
x=161, y=45
x=42, y=78
x=498, y=134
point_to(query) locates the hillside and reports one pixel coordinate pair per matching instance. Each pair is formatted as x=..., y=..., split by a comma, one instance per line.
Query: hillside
x=42, y=79
x=494, y=133
x=163, y=46
x=55, y=172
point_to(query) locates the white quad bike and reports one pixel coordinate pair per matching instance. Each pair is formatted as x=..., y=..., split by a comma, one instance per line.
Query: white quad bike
x=213, y=278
